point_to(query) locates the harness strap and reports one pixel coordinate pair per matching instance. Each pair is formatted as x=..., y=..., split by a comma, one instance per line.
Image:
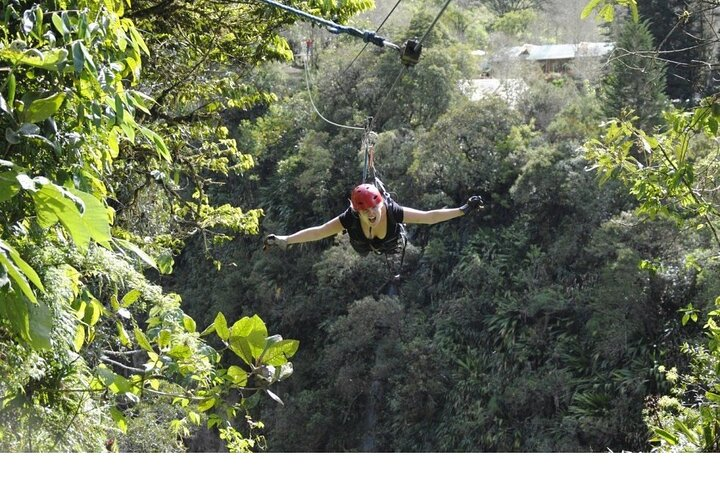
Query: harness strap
x=403, y=240
x=369, y=139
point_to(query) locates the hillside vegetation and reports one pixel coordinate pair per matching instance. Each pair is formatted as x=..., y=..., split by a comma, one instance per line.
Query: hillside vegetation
x=150, y=146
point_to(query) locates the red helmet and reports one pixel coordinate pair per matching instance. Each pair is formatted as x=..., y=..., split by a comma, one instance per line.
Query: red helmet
x=365, y=196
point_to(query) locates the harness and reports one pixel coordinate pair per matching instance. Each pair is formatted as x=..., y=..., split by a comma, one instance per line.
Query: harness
x=398, y=244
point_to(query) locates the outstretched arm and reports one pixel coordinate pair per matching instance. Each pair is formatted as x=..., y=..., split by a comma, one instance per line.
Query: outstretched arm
x=328, y=229
x=430, y=217
x=311, y=234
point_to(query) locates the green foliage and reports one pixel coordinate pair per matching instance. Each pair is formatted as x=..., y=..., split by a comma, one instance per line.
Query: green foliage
x=467, y=150
x=526, y=327
x=670, y=174
x=88, y=338
x=636, y=82
x=687, y=42
x=469, y=25
x=687, y=419
x=504, y=7
x=514, y=23
x=211, y=48
x=605, y=9
x=576, y=121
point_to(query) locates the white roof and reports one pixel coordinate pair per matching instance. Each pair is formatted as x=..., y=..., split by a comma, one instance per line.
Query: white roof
x=561, y=51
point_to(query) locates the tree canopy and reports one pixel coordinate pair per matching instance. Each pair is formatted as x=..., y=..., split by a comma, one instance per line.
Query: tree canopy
x=104, y=171
x=150, y=144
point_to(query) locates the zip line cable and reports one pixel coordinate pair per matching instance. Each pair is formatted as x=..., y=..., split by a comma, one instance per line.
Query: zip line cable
x=387, y=95
x=377, y=30
x=409, y=59
x=416, y=48
x=307, y=82
x=367, y=36
x=387, y=17
x=434, y=22
x=410, y=55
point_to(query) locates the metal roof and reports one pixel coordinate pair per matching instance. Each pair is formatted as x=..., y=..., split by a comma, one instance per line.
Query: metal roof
x=562, y=51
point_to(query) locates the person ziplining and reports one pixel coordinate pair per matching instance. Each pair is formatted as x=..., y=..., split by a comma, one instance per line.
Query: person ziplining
x=374, y=222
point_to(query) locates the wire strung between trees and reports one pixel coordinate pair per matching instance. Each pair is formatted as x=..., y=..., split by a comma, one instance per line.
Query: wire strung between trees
x=434, y=22
x=367, y=36
x=307, y=82
x=419, y=44
x=376, y=30
x=387, y=95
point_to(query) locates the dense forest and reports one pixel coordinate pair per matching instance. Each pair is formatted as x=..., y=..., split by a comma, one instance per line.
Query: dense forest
x=150, y=146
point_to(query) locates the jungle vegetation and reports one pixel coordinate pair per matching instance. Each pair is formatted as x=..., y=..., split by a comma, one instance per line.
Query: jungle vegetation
x=149, y=146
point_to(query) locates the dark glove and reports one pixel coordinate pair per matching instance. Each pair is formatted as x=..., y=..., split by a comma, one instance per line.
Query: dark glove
x=474, y=203
x=275, y=240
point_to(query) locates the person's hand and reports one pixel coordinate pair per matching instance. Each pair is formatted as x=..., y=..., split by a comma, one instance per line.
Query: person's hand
x=275, y=240
x=474, y=203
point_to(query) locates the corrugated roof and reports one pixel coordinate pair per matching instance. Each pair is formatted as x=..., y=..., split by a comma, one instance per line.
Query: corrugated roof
x=561, y=51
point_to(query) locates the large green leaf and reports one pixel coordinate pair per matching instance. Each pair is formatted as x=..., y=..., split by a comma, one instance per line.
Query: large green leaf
x=131, y=297
x=237, y=375
x=119, y=418
x=165, y=263
x=127, y=245
x=241, y=347
x=17, y=279
x=138, y=40
x=9, y=186
x=189, y=324
x=667, y=436
x=78, y=57
x=122, y=334
x=248, y=337
x=79, y=338
x=278, y=353
x=160, y=146
x=14, y=308
x=589, y=8
x=249, y=325
x=96, y=218
x=221, y=327
x=713, y=397
x=22, y=265
x=691, y=435
x=42, y=108
x=142, y=340
x=206, y=405
x=53, y=204
x=14, y=262
x=47, y=59
x=59, y=25
x=41, y=323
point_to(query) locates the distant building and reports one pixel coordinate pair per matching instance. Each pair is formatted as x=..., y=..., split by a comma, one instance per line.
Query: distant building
x=555, y=58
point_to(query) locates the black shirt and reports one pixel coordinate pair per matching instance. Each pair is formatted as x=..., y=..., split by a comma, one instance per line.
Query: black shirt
x=390, y=244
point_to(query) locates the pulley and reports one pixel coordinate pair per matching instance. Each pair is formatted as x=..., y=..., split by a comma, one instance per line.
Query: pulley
x=411, y=53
